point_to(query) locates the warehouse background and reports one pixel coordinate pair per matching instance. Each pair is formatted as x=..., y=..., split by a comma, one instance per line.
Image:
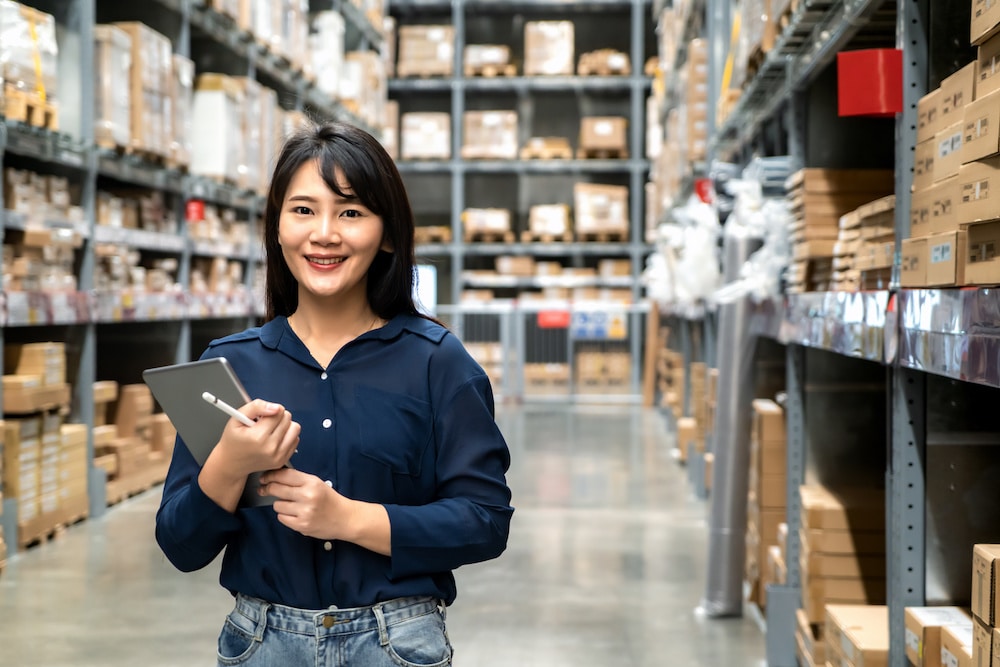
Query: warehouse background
x=611, y=196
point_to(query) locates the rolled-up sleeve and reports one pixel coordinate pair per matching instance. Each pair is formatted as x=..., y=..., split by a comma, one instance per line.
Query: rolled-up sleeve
x=191, y=528
x=470, y=519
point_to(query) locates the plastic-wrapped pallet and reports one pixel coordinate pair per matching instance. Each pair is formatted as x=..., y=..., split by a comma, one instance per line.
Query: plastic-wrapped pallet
x=217, y=141
x=182, y=99
x=601, y=210
x=28, y=63
x=249, y=170
x=113, y=61
x=549, y=48
x=270, y=140
x=426, y=136
x=326, y=44
x=490, y=134
x=363, y=87
x=150, y=81
x=426, y=50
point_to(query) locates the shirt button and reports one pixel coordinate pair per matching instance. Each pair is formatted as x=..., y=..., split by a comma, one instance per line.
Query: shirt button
x=328, y=546
x=328, y=483
x=323, y=376
x=327, y=423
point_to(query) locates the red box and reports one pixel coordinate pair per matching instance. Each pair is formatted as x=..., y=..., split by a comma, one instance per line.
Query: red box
x=870, y=82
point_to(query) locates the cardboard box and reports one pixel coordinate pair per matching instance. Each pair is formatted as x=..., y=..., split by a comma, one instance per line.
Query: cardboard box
x=985, y=582
x=845, y=509
x=982, y=644
x=515, y=265
x=957, y=91
x=549, y=220
x=45, y=359
x=768, y=422
x=985, y=20
x=217, y=147
x=982, y=265
x=913, y=262
x=945, y=197
x=988, y=67
x=929, y=115
x=490, y=135
x=977, y=182
x=426, y=50
x=948, y=151
x=549, y=48
x=491, y=220
x=426, y=136
x=604, y=133
x=956, y=645
x=600, y=208
x=923, y=632
x=946, y=259
x=921, y=203
x=981, y=128
x=859, y=633
x=923, y=164
x=135, y=407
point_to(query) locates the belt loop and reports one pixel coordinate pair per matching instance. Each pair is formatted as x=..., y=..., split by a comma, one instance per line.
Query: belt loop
x=442, y=609
x=262, y=622
x=383, y=633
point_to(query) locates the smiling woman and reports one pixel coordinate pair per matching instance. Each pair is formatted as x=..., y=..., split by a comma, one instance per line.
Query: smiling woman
x=373, y=427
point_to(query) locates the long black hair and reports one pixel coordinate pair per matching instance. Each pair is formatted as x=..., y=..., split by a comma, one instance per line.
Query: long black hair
x=376, y=182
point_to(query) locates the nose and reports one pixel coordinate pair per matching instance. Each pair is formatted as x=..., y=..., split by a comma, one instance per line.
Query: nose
x=326, y=231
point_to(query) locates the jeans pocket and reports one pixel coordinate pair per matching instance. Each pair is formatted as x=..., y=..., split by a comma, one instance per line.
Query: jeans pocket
x=420, y=642
x=237, y=641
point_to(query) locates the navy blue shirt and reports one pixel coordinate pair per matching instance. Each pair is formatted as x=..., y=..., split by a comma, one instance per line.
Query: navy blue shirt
x=403, y=416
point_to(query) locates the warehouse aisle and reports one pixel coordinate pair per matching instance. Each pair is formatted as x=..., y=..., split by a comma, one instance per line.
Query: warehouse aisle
x=605, y=567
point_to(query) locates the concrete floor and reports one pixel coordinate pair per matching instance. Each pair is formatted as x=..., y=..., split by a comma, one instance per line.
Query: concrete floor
x=605, y=567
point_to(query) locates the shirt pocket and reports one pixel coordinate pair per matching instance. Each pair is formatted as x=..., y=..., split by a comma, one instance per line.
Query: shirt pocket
x=395, y=432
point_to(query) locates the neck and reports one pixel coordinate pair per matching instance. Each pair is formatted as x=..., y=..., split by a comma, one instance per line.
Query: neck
x=343, y=319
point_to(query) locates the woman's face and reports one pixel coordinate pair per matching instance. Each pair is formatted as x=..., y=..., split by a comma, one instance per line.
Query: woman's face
x=328, y=241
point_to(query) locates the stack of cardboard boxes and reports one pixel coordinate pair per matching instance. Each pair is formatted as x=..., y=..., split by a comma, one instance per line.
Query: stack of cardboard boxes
x=954, y=225
x=601, y=212
x=856, y=635
x=487, y=60
x=842, y=548
x=925, y=642
x=599, y=368
x=872, y=227
x=549, y=48
x=490, y=356
x=425, y=136
x=985, y=604
x=29, y=56
x=603, y=137
x=766, y=499
x=487, y=224
x=489, y=135
x=819, y=197
x=45, y=459
x=426, y=50
x=547, y=223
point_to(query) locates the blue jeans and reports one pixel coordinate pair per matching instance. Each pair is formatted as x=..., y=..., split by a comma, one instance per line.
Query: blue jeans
x=398, y=633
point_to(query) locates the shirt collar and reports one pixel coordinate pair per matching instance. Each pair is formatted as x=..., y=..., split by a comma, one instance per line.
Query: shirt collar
x=272, y=333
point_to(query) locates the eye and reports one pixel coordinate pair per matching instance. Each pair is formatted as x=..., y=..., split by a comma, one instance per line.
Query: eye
x=352, y=213
x=301, y=210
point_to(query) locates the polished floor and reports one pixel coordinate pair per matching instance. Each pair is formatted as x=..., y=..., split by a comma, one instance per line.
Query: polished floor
x=605, y=567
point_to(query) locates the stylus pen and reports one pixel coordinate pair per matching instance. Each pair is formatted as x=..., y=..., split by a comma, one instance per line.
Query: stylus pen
x=211, y=399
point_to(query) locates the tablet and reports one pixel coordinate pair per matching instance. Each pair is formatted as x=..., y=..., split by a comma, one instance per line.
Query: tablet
x=178, y=390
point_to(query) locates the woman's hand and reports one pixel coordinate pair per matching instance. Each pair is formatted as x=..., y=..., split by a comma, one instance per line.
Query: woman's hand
x=310, y=506
x=242, y=450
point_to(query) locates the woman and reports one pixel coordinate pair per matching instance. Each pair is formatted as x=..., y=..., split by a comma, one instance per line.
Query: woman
x=375, y=426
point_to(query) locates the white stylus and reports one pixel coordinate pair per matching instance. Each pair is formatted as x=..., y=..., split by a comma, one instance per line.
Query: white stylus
x=211, y=399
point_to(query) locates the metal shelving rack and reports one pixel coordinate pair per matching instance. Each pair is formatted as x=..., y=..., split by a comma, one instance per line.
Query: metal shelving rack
x=168, y=323
x=458, y=90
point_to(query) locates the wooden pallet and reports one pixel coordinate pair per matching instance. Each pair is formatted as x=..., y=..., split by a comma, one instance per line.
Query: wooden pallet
x=490, y=70
x=547, y=148
x=602, y=237
x=432, y=234
x=754, y=62
x=406, y=73
x=601, y=153
x=599, y=63
x=489, y=237
x=528, y=236
x=47, y=527
x=29, y=108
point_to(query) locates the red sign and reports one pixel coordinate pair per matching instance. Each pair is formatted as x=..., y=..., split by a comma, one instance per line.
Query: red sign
x=553, y=319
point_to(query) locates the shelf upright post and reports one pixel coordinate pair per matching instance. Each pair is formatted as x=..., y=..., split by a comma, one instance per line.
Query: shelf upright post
x=457, y=165
x=636, y=182
x=8, y=519
x=182, y=351
x=783, y=600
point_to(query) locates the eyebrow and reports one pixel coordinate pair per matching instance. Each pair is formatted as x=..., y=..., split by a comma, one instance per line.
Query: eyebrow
x=310, y=198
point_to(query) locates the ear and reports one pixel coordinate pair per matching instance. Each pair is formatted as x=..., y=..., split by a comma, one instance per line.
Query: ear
x=387, y=246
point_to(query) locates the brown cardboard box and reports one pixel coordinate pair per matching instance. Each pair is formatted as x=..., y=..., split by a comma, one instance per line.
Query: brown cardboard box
x=45, y=359
x=923, y=164
x=985, y=21
x=995, y=646
x=982, y=266
x=929, y=115
x=982, y=644
x=515, y=265
x=769, y=421
x=946, y=259
x=985, y=582
x=957, y=91
x=859, y=633
x=426, y=50
x=549, y=48
x=948, y=151
x=600, y=208
x=163, y=433
x=988, y=67
x=19, y=393
x=981, y=128
x=426, y=136
x=488, y=59
x=956, y=645
x=977, y=181
x=913, y=266
x=921, y=203
x=135, y=407
x=604, y=133
x=490, y=135
x=490, y=220
x=945, y=199
x=923, y=632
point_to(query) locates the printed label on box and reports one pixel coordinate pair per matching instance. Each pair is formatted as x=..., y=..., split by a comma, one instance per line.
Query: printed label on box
x=941, y=253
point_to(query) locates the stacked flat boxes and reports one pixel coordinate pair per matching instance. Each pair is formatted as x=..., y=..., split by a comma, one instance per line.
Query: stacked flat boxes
x=866, y=247
x=549, y=48
x=150, y=88
x=985, y=604
x=925, y=634
x=425, y=136
x=426, y=50
x=490, y=135
x=601, y=212
x=842, y=548
x=766, y=500
x=819, y=197
x=698, y=386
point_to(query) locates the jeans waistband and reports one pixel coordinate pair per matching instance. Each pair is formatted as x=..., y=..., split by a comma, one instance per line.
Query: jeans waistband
x=332, y=621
